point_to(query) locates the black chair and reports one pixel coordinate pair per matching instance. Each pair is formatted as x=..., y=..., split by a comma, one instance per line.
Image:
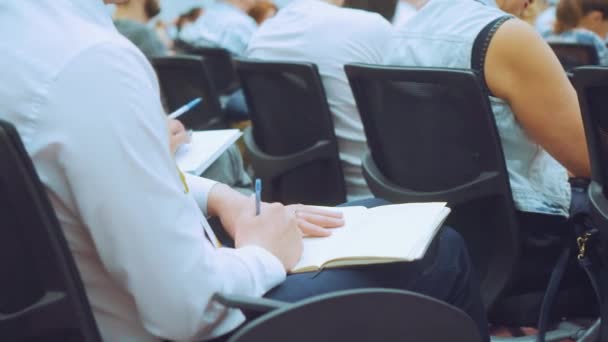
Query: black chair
x=220, y=65
x=292, y=145
x=592, y=87
x=573, y=55
x=385, y=8
x=432, y=137
x=183, y=78
x=357, y=316
x=41, y=294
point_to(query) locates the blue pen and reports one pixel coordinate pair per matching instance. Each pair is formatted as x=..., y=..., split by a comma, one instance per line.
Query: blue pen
x=185, y=108
x=258, y=195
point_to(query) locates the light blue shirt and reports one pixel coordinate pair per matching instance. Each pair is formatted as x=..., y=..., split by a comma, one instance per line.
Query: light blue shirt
x=222, y=25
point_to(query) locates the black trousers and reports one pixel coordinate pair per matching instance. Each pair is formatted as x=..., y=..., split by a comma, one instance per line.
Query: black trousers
x=445, y=273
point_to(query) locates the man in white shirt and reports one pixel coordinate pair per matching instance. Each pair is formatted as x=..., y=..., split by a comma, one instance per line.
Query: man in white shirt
x=86, y=103
x=225, y=24
x=314, y=31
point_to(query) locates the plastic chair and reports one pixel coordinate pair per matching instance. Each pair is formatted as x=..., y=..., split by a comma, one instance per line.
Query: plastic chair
x=220, y=65
x=41, y=294
x=356, y=315
x=183, y=78
x=592, y=87
x=432, y=137
x=385, y=8
x=292, y=145
x=574, y=55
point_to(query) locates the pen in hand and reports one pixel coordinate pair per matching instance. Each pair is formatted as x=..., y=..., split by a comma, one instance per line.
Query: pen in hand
x=185, y=108
x=258, y=196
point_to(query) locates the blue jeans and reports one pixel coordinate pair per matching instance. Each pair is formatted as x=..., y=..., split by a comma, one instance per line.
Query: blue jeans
x=445, y=273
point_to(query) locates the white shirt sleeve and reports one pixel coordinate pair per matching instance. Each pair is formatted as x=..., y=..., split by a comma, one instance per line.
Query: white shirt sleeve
x=113, y=146
x=200, y=188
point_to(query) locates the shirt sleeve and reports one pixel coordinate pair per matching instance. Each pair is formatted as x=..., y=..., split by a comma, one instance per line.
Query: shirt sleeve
x=146, y=229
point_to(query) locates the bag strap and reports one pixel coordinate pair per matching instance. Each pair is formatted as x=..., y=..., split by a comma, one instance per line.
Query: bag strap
x=586, y=236
x=552, y=290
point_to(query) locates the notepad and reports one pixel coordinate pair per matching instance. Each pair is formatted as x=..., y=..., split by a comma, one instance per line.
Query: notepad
x=204, y=148
x=391, y=233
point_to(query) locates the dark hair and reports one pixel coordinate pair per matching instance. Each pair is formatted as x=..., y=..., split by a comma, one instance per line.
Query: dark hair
x=261, y=9
x=188, y=17
x=570, y=12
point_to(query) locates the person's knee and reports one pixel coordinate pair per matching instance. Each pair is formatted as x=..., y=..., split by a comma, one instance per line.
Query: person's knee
x=452, y=238
x=453, y=250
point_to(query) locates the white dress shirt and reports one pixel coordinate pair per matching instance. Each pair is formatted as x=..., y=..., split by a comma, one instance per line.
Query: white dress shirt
x=329, y=36
x=404, y=12
x=222, y=25
x=86, y=104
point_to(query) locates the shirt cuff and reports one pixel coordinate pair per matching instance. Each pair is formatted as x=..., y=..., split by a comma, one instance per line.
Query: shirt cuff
x=266, y=269
x=200, y=189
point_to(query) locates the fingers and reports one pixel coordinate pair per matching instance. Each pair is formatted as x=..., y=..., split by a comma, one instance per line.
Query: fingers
x=310, y=229
x=175, y=126
x=180, y=138
x=320, y=219
x=318, y=211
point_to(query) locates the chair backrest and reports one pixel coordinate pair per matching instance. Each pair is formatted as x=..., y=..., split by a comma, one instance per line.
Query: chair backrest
x=432, y=137
x=296, y=152
x=220, y=65
x=573, y=55
x=41, y=294
x=385, y=8
x=591, y=84
x=363, y=315
x=183, y=78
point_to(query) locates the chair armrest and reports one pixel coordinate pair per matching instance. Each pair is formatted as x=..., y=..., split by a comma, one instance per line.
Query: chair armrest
x=248, y=303
x=268, y=166
x=383, y=187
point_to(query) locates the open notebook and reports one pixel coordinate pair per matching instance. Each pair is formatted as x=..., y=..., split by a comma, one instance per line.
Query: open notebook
x=204, y=148
x=391, y=233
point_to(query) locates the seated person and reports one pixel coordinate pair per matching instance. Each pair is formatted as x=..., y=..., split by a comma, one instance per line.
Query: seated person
x=536, y=111
x=581, y=22
x=131, y=18
x=225, y=24
x=365, y=42
x=137, y=229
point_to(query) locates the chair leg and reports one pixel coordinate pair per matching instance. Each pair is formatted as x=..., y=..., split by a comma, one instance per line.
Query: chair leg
x=592, y=334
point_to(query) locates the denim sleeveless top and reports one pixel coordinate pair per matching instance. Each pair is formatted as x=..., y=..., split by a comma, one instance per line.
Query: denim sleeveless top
x=442, y=34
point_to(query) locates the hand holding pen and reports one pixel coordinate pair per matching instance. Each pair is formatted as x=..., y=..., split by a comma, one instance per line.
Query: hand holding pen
x=178, y=135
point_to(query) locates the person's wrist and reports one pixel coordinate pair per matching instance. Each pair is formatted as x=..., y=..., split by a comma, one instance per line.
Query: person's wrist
x=225, y=203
